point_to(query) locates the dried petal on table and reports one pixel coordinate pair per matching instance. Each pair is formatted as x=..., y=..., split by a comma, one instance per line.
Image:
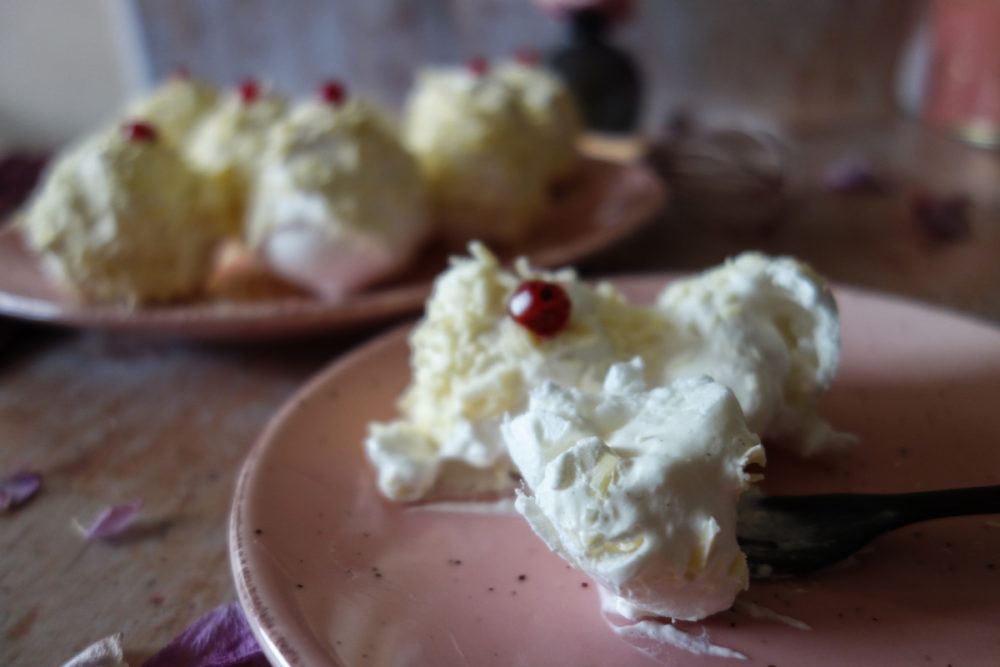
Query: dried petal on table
x=104, y=653
x=220, y=638
x=942, y=217
x=112, y=521
x=17, y=489
x=853, y=176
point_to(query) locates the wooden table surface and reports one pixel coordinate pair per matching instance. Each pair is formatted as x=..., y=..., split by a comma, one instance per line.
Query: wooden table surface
x=107, y=419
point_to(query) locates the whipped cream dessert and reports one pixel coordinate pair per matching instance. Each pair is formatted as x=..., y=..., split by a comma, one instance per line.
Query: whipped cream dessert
x=638, y=487
x=472, y=364
x=476, y=146
x=552, y=110
x=120, y=217
x=175, y=107
x=228, y=144
x=338, y=200
x=768, y=329
x=765, y=328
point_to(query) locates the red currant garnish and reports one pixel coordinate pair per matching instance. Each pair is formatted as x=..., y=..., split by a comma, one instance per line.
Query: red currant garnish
x=139, y=131
x=181, y=73
x=526, y=56
x=249, y=91
x=477, y=66
x=540, y=307
x=333, y=92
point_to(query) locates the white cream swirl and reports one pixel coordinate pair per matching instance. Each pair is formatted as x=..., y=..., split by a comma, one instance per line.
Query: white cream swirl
x=638, y=487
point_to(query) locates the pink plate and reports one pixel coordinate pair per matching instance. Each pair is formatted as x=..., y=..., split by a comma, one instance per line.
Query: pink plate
x=603, y=204
x=331, y=574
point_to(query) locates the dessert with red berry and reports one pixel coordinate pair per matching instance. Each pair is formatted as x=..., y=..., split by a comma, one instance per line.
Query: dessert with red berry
x=626, y=433
x=176, y=106
x=122, y=218
x=551, y=108
x=228, y=144
x=338, y=202
x=766, y=328
x=491, y=138
x=476, y=147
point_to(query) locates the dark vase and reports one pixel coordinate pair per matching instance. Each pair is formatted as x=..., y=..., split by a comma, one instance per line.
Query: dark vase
x=604, y=79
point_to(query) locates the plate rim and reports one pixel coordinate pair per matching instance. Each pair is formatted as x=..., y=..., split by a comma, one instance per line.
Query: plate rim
x=245, y=589
x=273, y=640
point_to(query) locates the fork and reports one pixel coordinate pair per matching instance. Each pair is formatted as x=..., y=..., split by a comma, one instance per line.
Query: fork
x=784, y=536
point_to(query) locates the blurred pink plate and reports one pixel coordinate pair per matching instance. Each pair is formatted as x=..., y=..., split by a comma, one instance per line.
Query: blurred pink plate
x=603, y=204
x=331, y=574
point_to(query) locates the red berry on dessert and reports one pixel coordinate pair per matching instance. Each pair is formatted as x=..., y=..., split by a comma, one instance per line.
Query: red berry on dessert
x=540, y=307
x=477, y=66
x=181, y=73
x=249, y=91
x=139, y=131
x=333, y=92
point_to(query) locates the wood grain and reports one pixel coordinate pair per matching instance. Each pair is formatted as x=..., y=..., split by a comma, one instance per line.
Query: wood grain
x=108, y=420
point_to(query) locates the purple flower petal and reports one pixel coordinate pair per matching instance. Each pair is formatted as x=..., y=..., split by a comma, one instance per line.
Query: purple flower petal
x=104, y=653
x=220, y=638
x=113, y=520
x=855, y=176
x=942, y=217
x=17, y=489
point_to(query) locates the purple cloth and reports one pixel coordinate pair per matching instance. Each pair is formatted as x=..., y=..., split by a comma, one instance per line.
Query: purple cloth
x=220, y=638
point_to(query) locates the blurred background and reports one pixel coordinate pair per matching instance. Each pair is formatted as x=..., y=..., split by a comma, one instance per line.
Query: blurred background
x=64, y=65
x=858, y=134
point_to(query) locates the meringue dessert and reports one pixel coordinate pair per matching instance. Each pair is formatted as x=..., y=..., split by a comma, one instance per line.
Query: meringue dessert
x=228, y=144
x=338, y=201
x=631, y=427
x=551, y=109
x=476, y=147
x=638, y=487
x=768, y=330
x=121, y=218
x=175, y=107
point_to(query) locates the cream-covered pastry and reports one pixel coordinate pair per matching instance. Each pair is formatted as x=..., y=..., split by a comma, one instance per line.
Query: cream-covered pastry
x=229, y=143
x=477, y=148
x=472, y=362
x=122, y=218
x=175, y=107
x=638, y=487
x=553, y=112
x=338, y=201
